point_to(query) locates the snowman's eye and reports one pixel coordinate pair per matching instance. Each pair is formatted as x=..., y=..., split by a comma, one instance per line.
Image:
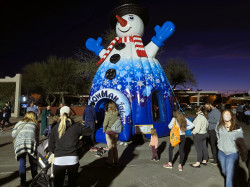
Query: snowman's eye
x=131, y=18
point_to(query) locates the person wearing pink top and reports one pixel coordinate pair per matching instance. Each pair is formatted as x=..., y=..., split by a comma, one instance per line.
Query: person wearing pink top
x=154, y=144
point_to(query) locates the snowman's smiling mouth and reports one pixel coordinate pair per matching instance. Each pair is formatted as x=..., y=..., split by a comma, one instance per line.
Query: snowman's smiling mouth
x=126, y=30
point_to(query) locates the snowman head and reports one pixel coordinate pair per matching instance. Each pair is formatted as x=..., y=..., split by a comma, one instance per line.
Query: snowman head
x=128, y=25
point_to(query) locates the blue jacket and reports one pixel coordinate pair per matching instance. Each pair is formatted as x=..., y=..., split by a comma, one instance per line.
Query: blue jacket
x=89, y=114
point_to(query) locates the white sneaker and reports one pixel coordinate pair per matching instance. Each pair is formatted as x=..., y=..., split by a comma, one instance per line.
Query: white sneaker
x=125, y=143
x=121, y=143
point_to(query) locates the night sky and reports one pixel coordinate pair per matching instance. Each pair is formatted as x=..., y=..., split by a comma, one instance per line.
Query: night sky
x=212, y=36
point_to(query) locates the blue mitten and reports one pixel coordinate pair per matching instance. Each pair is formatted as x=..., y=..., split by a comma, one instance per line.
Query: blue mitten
x=94, y=45
x=162, y=33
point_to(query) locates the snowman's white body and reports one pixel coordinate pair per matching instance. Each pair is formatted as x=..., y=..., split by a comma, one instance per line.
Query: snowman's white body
x=132, y=87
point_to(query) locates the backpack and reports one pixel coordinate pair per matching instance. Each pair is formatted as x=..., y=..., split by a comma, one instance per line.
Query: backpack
x=175, y=135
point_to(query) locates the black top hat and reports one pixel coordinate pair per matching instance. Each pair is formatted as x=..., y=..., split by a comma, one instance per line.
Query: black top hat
x=128, y=7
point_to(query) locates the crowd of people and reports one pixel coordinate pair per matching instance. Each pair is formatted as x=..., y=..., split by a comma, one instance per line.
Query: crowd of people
x=211, y=124
x=224, y=134
x=243, y=113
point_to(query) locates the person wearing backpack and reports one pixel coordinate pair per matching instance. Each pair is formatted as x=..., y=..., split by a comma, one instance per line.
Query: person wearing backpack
x=63, y=144
x=179, y=123
x=200, y=137
x=111, y=137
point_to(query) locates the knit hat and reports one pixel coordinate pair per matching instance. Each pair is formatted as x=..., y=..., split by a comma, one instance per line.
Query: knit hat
x=64, y=109
x=128, y=7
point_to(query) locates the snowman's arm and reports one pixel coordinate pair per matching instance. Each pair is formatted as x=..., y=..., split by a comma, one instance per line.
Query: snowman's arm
x=162, y=33
x=95, y=46
x=151, y=49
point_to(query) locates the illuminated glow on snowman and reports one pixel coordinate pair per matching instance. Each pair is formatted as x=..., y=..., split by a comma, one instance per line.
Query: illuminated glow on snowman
x=131, y=76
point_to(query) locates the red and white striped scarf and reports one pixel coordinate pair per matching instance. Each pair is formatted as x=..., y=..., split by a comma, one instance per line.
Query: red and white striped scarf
x=139, y=47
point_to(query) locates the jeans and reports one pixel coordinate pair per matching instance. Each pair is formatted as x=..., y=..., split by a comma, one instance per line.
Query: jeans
x=112, y=149
x=22, y=166
x=181, y=150
x=213, y=143
x=229, y=165
x=154, y=153
x=200, y=143
x=6, y=119
x=59, y=175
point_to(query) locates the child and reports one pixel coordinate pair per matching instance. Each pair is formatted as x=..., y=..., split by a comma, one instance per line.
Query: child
x=154, y=144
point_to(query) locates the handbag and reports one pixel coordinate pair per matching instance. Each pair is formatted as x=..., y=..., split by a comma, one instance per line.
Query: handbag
x=117, y=126
x=175, y=138
x=18, y=130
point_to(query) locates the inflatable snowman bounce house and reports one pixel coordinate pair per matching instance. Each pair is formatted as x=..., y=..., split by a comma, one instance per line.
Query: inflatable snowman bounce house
x=131, y=76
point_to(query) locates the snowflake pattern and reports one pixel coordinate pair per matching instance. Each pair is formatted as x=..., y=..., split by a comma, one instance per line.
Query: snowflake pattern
x=150, y=77
x=139, y=66
x=140, y=83
x=135, y=83
x=114, y=81
x=127, y=68
x=105, y=82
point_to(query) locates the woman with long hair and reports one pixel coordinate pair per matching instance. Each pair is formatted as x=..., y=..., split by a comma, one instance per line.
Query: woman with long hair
x=111, y=137
x=183, y=124
x=26, y=134
x=230, y=142
x=63, y=143
x=200, y=137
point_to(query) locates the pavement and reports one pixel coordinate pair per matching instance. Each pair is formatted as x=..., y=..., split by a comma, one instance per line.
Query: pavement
x=136, y=169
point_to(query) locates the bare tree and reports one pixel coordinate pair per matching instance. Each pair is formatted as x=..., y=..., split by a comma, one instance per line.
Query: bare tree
x=178, y=73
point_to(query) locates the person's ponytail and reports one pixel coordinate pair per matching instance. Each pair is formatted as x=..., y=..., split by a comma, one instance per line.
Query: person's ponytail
x=62, y=125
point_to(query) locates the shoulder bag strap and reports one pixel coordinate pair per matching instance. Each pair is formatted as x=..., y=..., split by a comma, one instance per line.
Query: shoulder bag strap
x=19, y=129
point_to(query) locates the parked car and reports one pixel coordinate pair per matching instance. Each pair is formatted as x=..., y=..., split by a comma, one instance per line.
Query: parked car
x=194, y=105
x=185, y=106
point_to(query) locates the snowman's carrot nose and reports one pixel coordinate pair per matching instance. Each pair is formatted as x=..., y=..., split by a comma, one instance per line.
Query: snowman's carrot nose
x=122, y=21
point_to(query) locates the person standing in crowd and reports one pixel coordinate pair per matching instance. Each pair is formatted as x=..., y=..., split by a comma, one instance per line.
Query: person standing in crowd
x=6, y=115
x=230, y=142
x=63, y=144
x=213, y=119
x=89, y=118
x=26, y=134
x=183, y=124
x=33, y=108
x=154, y=145
x=247, y=112
x=200, y=137
x=111, y=137
x=44, y=118
x=58, y=109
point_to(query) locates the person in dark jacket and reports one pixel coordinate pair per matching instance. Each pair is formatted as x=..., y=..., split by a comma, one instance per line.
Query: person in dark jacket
x=44, y=118
x=213, y=119
x=89, y=118
x=6, y=115
x=63, y=143
x=58, y=109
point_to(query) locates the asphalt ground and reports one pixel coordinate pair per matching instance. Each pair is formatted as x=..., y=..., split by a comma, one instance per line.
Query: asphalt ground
x=136, y=169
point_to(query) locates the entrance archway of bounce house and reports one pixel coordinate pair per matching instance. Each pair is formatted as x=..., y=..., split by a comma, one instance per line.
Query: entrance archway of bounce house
x=101, y=107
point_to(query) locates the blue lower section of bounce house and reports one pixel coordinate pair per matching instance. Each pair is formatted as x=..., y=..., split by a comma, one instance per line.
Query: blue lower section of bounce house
x=125, y=135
